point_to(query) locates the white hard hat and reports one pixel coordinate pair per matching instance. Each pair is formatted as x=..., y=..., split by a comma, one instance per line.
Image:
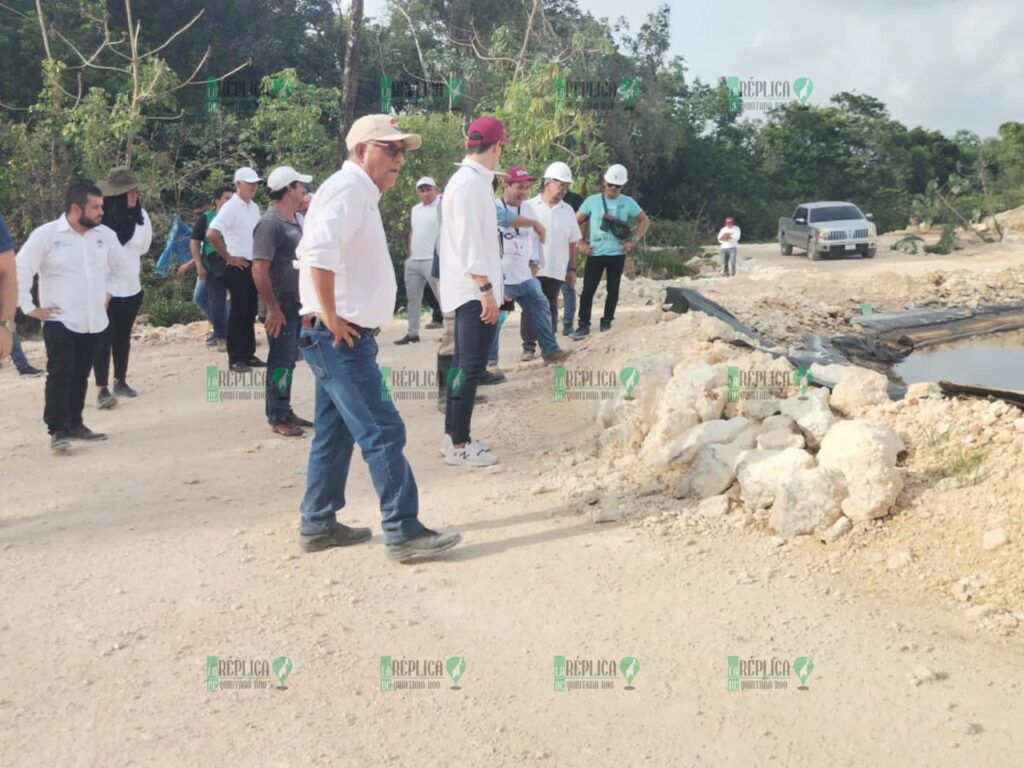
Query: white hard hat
x=616, y=174
x=559, y=171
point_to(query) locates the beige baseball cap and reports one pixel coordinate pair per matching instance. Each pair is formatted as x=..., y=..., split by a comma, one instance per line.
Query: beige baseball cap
x=379, y=128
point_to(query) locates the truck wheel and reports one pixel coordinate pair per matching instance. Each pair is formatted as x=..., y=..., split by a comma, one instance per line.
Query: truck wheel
x=812, y=254
x=869, y=253
x=786, y=248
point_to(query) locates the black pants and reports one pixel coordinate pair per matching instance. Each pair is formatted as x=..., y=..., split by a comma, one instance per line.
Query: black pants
x=244, y=301
x=435, y=306
x=592, y=278
x=551, y=288
x=473, y=339
x=117, y=339
x=69, y=357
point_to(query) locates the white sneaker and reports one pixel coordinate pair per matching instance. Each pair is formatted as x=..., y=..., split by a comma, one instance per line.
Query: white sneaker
x=447, y=446
x=471, y=455
x=483, y=444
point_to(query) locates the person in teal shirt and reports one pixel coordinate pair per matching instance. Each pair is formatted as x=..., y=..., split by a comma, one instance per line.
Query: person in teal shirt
x=604, y=219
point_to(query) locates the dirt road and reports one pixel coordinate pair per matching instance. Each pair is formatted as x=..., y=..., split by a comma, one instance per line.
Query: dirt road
x=127, y=564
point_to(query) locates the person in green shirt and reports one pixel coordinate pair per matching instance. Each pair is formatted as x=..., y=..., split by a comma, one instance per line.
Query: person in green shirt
x=607, y=238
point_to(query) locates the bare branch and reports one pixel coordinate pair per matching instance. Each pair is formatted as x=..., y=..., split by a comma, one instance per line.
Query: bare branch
x=170, y=39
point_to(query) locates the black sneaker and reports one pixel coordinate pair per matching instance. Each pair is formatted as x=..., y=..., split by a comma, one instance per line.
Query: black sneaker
x=60, y=442
x=407, y=339
x=425, y=544
x=82, y=432
x=255, y=362
x=105, y=400
x=240, y=367
x=211, y=337
x=121, y=389
x=606, y=325
x=567, y=330
x=492, y=377
x=556, y=357
x=580, y=333
x=342, y=536
x=30, y=373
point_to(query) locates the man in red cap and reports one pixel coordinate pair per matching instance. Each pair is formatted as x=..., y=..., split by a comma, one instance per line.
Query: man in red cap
x=521, y=258
x=471, y=284
x=728, y=239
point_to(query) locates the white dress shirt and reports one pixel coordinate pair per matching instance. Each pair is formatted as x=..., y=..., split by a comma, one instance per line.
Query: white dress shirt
x=469, y=237
x=343, y=232
x=562, y=231
x=74, y=273
x=425, y=225
x=236, y=220
x=519, y=246
x=135, y=248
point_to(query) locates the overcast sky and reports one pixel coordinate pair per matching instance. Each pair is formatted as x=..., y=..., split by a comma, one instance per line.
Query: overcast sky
x=941, y=64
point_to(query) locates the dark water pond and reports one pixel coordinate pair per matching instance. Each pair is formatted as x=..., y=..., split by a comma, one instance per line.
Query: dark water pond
x=995, y=361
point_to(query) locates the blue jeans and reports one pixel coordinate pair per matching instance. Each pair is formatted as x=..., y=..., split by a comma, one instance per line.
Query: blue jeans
x=531, y=298
x=569, y=298
x=492, y=358
x=18, y=354
x=280, y=365
x=211, y=296
x=473, y=340
x=351, y=410
x=729, y=262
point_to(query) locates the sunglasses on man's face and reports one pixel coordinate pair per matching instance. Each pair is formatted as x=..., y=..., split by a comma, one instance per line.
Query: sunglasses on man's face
x=424, y=188
x=394, y=148
x=613, y=186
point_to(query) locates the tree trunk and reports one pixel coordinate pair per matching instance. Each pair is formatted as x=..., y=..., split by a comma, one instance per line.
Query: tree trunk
x=350, y=78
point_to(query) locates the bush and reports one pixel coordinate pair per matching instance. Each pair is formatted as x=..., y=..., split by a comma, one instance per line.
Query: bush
x=168, y=300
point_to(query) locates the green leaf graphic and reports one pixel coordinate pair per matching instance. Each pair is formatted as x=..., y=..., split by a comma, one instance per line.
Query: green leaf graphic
x=803, y=666
x=629, y=378
x=282, y=667
x=803, y=87
x=629, y=665
x=456, y=667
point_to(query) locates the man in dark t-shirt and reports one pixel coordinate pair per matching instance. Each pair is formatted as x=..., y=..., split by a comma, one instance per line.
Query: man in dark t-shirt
x=273, y=252
x=211, y=295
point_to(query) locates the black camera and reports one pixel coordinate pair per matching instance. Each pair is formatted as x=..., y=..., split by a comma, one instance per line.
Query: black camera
x=619, y=229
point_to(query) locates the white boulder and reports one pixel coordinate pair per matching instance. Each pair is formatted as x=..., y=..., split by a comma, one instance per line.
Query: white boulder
x=760, y=472
x=685, y=447
x=866, y=454
x=808, y=501
x=811, y=413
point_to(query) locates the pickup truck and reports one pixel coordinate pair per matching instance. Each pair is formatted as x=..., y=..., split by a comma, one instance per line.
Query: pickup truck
x=828, y=227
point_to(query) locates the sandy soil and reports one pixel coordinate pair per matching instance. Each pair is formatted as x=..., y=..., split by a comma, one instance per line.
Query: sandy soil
x=126, y=564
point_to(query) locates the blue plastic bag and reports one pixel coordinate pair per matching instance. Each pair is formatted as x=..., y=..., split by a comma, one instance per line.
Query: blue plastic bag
x=176, y=252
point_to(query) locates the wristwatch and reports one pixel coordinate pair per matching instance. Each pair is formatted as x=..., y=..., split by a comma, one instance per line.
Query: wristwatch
x=485, y=287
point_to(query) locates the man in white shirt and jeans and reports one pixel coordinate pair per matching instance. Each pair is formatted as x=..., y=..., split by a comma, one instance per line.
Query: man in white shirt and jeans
x=424, y=227
x=346, y=279
x=76, y=258
x=230, y=233
x=728, y=239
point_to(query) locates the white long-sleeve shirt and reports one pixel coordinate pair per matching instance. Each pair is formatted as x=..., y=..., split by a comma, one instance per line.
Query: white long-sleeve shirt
x=519, y=245
x=733, y=241
x=343, y=232
x=74, y=273
x=236, y=221
x=469, y=237
x=135, y=248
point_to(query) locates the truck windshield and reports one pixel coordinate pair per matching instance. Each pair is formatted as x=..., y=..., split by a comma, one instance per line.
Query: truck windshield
x=836, y=213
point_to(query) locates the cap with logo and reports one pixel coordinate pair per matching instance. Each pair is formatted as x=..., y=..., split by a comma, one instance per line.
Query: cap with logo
x=119, y=180
x=285, y=175
x=516, y=175
x=559, y=171
x=248, y=175
x=426, y=181
x=486, y=130
x=616, y=174
x=379, y=128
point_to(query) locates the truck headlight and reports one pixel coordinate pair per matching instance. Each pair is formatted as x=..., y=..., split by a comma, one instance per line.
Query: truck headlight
x=872, y=230
x=822, y=234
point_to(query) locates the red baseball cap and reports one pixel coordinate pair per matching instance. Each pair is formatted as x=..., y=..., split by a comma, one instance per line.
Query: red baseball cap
x=490, y=129
x=728, y=220
x=516, y=175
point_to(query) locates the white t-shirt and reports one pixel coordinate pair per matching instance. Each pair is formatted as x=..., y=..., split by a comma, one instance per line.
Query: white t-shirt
x=520, y=246
x=343, y=232
x=426, y=226
x=236, y=221
x=469, y=237
x=135, y=248
x=563, y=230
x=733, y=241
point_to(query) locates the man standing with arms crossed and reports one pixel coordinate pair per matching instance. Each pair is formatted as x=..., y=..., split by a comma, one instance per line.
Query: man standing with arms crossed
x=76, y=258
x=346, y=279
x=424, y=227
x=230, y=233
x=273, y=270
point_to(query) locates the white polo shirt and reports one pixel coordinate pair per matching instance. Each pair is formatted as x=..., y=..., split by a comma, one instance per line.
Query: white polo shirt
x=469, y=237
x=343, y=232
x=236, y=220
x=135, y=249
x=425, y=223
x=75, y=272
x=563, y=230
x=519, y=245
